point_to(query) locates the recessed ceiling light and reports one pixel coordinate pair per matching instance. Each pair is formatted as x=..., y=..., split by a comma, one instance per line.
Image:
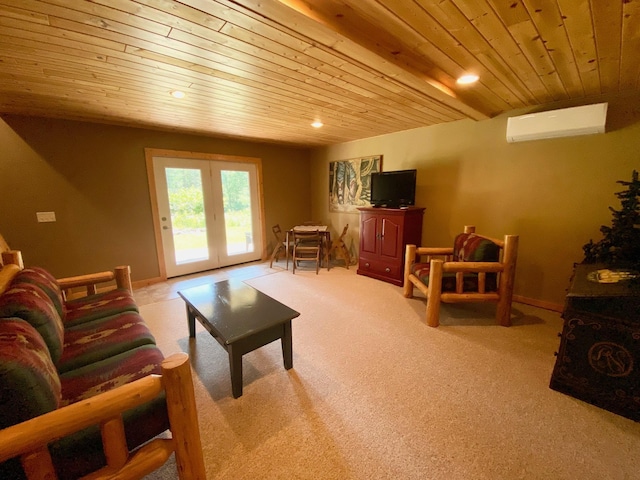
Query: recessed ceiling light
x=467, y=79
x=317, y=124
x=177, y=94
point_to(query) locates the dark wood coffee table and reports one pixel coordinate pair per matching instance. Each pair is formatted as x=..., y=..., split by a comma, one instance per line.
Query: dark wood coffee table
x=241, y=319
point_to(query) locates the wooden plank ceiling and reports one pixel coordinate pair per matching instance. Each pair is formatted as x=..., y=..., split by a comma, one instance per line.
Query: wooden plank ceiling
x=266, y=69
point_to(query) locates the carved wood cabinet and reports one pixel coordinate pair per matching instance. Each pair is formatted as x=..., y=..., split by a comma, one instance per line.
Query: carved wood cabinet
x=599, y=356
x=384, y=233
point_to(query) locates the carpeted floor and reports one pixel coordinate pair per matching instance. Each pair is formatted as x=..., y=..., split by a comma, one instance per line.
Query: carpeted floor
x=376, y=394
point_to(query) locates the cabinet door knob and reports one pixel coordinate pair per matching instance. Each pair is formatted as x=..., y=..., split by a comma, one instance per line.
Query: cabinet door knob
x=387, y=269
x=367, y=265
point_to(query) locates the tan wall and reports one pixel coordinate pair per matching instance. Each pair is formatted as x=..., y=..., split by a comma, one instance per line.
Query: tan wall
x=554, y=193
x=94, y=178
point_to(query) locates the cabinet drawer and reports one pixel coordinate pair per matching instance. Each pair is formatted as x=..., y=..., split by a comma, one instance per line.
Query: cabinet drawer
x=387, y=269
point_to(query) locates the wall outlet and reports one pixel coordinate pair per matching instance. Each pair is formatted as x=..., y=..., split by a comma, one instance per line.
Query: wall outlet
x=46, y=216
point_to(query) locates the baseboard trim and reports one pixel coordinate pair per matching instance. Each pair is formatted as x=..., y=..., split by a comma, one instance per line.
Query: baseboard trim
x=554, y=307
x=147, y=282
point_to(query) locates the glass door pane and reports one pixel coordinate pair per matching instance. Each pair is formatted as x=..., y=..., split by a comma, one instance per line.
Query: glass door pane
x=209, y=213
x=236, y=199
x=186, y=205
x=184, y=201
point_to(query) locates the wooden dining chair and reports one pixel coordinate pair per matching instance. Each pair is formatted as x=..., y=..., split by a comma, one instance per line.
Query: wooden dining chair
x=307, y=246
x=282, y=246
x=339, y=248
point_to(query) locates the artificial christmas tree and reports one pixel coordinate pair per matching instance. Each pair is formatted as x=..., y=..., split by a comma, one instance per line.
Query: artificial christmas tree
x=620, y=245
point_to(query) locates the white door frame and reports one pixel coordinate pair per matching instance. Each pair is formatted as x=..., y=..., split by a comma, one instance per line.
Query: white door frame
x=150, y=153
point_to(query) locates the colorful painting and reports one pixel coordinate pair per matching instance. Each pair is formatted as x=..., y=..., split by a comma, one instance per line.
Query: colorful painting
x=350, y=183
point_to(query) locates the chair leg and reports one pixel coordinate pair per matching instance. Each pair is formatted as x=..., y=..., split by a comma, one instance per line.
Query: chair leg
x=274, y=255
x=503, y=312
x=434, y=292
x=347, y=255
x=410, y=256
x=507, y=280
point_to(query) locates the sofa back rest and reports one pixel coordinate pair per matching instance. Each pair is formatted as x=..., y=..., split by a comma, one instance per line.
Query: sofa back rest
x=30, y=303
x=42, y=278
x=469, y=247
x=29, y=382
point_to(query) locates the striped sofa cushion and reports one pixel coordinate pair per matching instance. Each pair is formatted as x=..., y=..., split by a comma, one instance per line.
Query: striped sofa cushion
x=29, y=302
x=85, y=382
x=47, y=282
x=97, y=340
x=29, y=382
x=100, y=305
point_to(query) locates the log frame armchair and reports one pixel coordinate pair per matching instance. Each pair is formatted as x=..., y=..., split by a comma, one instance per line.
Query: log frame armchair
x=466, y=279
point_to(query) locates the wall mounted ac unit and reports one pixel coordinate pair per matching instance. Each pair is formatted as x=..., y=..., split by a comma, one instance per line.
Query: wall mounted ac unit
x=566, y=122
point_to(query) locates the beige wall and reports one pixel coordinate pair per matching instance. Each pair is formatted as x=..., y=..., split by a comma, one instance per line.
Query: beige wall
x=554, y=193
x=94, y=178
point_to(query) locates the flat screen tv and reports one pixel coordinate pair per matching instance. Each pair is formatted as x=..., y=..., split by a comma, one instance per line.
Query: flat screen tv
x=393, y=189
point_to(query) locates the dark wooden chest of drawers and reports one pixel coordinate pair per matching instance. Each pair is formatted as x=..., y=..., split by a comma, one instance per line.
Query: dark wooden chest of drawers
x=384, y=234
x=599, y=356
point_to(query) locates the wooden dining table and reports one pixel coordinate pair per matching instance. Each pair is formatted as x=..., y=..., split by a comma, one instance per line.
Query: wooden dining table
x=323, y=231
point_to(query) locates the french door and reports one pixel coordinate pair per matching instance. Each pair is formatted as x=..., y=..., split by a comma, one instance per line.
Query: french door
x=208, y=213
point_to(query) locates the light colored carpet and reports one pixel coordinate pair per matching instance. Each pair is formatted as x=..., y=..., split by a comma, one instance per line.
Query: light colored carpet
x=376, y=394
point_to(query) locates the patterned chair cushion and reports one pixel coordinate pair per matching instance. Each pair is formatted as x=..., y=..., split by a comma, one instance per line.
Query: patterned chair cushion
x=29, y=382
x=105, y=375
x=100, y=305
x=47, y=282
x=468, y=247
x=28, y=302
x=469, y=280
x=97, y=340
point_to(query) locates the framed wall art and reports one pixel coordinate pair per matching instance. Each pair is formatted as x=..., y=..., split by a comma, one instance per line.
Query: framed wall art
x=350, y=182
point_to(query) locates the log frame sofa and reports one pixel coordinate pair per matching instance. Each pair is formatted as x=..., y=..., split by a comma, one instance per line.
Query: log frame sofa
x=56, y=406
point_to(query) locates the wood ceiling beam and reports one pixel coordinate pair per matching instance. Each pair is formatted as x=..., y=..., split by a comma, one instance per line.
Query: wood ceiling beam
x=325, y=32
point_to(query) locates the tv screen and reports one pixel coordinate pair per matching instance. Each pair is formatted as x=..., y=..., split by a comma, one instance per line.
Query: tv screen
x=393, y=189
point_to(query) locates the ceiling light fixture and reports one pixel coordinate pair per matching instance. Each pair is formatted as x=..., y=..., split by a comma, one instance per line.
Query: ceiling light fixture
x=317, y=124
x=467, y=79
x=177, y=94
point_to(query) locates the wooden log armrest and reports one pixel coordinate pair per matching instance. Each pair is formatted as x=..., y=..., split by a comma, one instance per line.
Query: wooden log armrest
x=472, y=267
x=434, y=251
x=121, y=275
x=29, y=439
x=91, y=281
x=12, y=257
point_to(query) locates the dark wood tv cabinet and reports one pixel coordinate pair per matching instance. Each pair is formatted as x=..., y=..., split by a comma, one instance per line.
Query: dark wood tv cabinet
x=384, y=234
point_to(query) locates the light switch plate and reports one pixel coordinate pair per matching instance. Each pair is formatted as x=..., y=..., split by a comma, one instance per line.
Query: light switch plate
x=46, y=216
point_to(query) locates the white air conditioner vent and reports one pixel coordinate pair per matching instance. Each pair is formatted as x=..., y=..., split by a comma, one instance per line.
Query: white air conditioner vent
x=566, y=122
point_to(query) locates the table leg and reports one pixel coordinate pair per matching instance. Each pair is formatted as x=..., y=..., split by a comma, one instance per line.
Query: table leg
x=286, y=249
x=191, y=321
x=327, y=238
x=235, y=367
x=287, y=345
